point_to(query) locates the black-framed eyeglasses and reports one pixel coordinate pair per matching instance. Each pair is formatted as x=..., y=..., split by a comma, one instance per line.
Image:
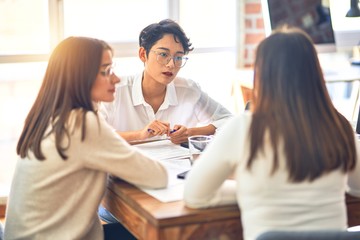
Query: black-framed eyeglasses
x=164, y=58
x=108, y=71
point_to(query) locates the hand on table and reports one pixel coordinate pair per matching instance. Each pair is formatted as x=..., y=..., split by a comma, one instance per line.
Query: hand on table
x=180, y=134
x=156, y=128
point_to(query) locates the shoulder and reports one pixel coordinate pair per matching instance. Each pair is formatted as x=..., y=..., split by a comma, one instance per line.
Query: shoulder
x=94, y=119
x=124, y=89
x=241, y=122
x=91, y=121
x=96, y=123
x=129, y=80
x=234, y=133
x=126, y=80
x=98, y=130
x=181, y=82
x=187, y=87
x=245, y=117
x=91, y=117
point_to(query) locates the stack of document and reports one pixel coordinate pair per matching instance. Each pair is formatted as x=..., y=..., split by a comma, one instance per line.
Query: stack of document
x=163, y=150
x=175, y=159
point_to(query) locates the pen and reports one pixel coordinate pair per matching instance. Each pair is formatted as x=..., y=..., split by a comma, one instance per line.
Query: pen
x=152, y=131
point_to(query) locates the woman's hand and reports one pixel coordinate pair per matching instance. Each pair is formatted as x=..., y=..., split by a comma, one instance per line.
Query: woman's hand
x=180, y=134
x=155, y=128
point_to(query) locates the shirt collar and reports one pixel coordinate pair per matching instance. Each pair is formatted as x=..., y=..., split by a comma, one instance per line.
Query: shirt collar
x=138, y=97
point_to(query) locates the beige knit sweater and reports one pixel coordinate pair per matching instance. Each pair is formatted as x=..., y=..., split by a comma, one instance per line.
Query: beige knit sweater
x=58, y=199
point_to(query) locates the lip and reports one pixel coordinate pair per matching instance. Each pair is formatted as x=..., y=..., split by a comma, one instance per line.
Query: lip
x=168, y=74
x=112, y=90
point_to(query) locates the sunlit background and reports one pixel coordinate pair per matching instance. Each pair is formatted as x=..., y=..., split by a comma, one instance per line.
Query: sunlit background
x=220, y=30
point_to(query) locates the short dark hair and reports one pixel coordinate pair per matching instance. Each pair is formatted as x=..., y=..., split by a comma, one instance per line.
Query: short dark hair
x=154, y=32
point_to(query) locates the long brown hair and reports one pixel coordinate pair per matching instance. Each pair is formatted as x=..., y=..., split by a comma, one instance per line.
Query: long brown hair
x=291, y=102
x=72, y=69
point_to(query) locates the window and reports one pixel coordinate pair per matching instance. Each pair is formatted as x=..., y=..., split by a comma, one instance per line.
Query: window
x=27, y=37
x=214, y=27
x=213, y=35
x=18, y=34
x=347, y=31
x=117, y=22
x=112, y=20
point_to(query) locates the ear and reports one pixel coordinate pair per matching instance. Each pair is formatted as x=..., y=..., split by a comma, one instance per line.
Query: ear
x=142, y=54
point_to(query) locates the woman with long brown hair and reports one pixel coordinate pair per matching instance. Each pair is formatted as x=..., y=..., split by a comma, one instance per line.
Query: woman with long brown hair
x=293, y=155
x=66, y=149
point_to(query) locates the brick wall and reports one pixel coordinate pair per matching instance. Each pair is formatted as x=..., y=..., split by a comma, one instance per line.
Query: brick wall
x=254, y=30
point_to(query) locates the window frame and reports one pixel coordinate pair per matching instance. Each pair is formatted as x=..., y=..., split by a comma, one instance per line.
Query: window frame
x=121, y=49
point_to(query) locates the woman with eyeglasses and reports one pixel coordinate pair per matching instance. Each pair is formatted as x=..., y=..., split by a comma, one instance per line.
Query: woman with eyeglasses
x=156, y=103
x=66, y=149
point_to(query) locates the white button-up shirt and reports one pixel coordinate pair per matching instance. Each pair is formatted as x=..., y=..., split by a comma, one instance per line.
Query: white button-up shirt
x=184, y=104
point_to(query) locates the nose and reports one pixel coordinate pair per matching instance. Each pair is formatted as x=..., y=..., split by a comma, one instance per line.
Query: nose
x=114, y=79
x=171, y=63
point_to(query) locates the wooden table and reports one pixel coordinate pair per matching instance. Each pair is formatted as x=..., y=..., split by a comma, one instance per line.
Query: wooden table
x=148, y=218
x=353, y=210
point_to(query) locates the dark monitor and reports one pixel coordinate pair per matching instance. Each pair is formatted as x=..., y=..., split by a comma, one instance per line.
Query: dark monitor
x=310, y=15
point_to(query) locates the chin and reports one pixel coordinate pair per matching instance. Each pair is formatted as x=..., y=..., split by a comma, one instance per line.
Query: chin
x=108, y=99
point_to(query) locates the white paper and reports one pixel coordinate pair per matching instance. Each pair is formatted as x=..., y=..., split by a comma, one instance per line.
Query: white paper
x=163, y=150
x=176, y=160
x=169, y=194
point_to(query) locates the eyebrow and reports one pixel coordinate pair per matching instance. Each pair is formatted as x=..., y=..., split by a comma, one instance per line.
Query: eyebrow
x=166, y=49
x=105, y=64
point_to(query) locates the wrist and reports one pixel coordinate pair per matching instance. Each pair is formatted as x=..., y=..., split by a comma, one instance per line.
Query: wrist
x=142, y=135
x=190, y=132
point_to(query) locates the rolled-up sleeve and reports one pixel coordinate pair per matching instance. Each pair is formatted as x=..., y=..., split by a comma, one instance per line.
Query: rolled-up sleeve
x=209, y=109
